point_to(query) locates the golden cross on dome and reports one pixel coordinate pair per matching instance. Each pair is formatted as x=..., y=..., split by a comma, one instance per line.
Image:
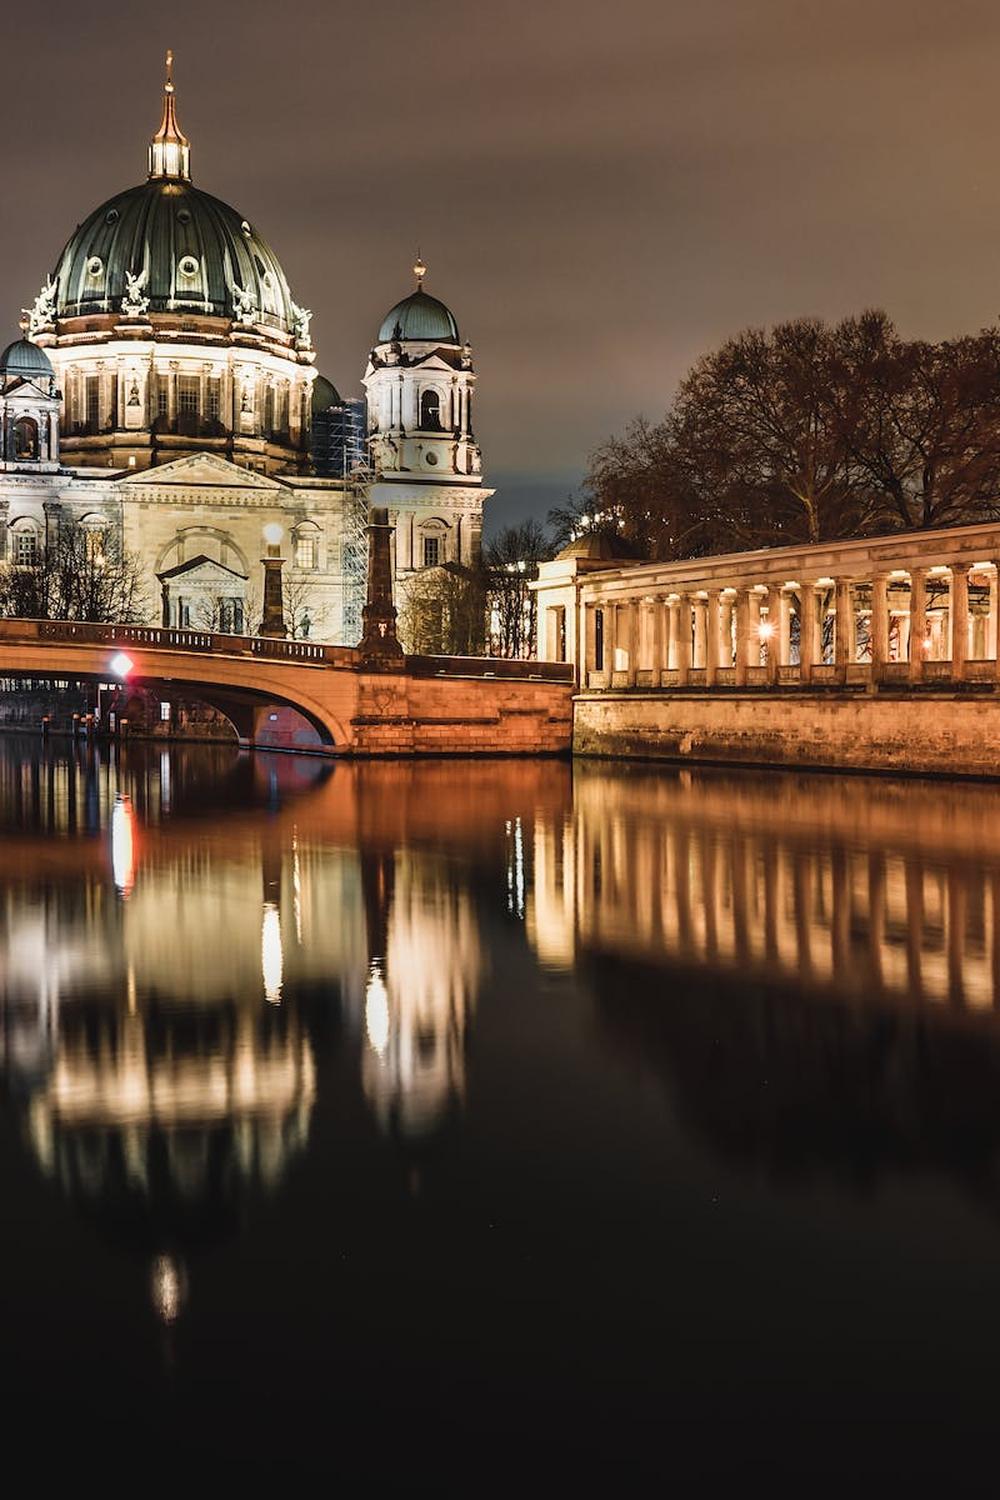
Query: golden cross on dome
x=419, y=271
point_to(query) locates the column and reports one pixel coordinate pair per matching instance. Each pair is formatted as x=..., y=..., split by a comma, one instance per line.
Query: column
x=673, y=618
x=661, y=623
x=880, y=625
x=773, y=636
x=4, y=520
x=808, y=632
x=711, y=637
x=918, y=622
x=610, y=641
x=991, y=618
x=726, y=605
x=959, y=611
x=784, y=628
x=843, y=643
x=630, y=643
x=683, y=645
x=587, y=648
x=700, y=623
x=742, y=635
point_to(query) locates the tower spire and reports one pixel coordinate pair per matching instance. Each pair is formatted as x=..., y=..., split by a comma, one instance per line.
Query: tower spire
x=419, y=271
x=169, y=150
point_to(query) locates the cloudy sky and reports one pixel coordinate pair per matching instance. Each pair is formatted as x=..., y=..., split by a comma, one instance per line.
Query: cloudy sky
x=601, y=190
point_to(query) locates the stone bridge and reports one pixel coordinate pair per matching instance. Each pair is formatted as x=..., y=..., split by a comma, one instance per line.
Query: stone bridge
x=303, y=695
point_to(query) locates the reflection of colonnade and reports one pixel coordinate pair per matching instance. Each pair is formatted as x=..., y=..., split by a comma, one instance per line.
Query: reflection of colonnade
x=895, y=609
x=709, y=876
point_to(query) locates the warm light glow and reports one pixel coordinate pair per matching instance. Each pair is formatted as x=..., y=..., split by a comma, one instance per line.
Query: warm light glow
x=273, y=534
x=377, y=1009
x=167, y=1286
x=121, y=664
x=123, y=845
x=765, y=630
x=271, y=957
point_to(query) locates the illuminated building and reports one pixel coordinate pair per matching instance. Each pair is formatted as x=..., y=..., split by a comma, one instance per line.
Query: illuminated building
x=166, y=386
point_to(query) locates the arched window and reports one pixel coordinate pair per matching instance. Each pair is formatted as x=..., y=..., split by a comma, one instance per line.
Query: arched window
x=26, y=544
x=94, y=539
x=25, y=438
x=431, y=552
x=307, y=546
x=430, y=411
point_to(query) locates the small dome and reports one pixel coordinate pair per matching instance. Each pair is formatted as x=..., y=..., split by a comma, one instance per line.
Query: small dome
x=324, y=394
x=419, y=316
x=600, y=546
x=23, y=360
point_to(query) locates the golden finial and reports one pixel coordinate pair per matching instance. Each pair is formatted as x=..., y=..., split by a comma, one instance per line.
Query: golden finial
x=169, y=85
x=170, y=151
x=419, y=271
x=24, y=323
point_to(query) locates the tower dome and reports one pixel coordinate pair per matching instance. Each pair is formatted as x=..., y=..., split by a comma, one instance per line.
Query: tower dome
x=23, y=360
x=419, y=316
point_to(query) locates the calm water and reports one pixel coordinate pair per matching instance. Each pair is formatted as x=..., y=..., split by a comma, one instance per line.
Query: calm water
x=458, y=1125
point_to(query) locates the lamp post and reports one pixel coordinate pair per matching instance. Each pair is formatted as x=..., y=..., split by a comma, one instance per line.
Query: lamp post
x=273, y=622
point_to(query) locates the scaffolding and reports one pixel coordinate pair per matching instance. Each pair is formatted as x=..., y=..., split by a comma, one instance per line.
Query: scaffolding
x=340, y=450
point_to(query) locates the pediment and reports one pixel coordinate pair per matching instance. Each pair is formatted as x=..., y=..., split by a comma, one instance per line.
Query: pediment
x=202, y=569
x=206, y=469
x=29, y=393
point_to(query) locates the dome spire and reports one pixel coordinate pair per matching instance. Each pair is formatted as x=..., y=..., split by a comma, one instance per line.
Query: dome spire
x=169, y=150
x=419, y=271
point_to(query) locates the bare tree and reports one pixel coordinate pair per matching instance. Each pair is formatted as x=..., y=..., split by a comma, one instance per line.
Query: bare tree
x=444, y=610
x=511, y=561
x=79, y=574
x=304, y=617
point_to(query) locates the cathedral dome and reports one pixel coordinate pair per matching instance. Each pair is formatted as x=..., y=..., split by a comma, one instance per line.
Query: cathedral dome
x=419, y=316
x=23, y=360
x=176, y=249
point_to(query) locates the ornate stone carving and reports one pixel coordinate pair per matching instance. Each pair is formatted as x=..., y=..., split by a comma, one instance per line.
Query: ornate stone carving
x=301, y=318
x=42, y=313
x=244, y=304
x=134, y=304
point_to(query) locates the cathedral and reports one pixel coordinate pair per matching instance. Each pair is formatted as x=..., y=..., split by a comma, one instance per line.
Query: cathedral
x=164, y=385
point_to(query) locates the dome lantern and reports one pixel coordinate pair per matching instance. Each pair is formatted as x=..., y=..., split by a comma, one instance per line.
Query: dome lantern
x=170, y=150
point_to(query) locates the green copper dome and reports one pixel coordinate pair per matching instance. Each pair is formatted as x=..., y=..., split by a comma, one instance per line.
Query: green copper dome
x=419, y=316
x=23, y=360
x=167, y=247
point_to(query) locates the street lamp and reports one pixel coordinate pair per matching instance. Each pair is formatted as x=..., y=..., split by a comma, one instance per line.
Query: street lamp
x=273, y=623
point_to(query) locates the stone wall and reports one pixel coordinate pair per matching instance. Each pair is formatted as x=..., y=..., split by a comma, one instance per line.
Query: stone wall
x=404, y=715
x=952, y=733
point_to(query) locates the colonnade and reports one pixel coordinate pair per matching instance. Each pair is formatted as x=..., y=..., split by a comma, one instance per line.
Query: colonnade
x=895, y=624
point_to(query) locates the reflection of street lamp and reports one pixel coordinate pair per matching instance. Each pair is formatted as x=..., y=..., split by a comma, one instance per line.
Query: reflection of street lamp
x=273, y=623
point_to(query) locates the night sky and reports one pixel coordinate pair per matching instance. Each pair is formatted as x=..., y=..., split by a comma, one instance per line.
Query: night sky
x=601, y=190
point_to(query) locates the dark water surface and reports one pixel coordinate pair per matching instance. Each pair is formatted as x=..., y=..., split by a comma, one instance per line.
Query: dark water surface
x=470, y=1125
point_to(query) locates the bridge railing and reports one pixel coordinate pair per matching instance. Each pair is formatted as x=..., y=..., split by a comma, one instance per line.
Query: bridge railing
x=299, y=653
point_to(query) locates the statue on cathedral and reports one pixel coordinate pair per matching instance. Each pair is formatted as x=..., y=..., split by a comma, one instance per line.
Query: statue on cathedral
x=42, y=313
x=244, y=304
x=301, y=318
x=134, y=304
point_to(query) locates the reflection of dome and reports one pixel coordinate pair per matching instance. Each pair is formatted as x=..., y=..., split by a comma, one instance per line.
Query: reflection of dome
x=419, y=316
x=23, y=360
x=188, y=249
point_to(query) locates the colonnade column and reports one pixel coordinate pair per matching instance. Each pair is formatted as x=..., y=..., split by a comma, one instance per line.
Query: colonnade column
x=773, y=637
x=843, y=643
x=991, y=618
x=684, y=625
x=918, y=621
x=784, y=641
x=726, y=605
x=808, y=632
x=630, y=642
x=742, y=635
x=587, y=648
x=610, y=634
x=700, y=608
x=959, y=611
x=711, y=637
x=879, y=625
x=673, y=635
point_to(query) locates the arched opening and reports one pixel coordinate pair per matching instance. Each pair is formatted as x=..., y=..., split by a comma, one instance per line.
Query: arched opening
x=25, y=544
x=306, y=544
x=25, y=439
x=430, y=411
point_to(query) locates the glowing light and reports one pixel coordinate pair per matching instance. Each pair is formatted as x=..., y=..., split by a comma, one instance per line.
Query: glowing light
x=123, y=845
x=377, y=1009
x=167, y=1284
x=121, y=664
x=273, y=534
x=765, y=630
x=271, y=957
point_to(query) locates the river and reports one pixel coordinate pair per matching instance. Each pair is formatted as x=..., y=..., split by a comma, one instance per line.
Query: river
x=455, y=1123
